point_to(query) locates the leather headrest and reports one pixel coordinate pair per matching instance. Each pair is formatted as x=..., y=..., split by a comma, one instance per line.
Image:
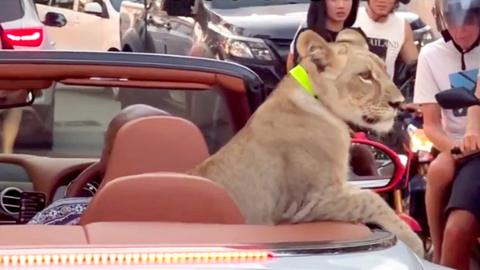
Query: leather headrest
x=155, y=144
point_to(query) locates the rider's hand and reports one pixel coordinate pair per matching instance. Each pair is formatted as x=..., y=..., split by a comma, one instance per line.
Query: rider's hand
x=410, y=107
x=470, y=143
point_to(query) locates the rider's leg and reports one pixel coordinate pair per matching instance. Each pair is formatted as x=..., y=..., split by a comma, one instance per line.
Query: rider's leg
x=459, y=239
x=11, y=125
x=463, y=213
x=439, y=178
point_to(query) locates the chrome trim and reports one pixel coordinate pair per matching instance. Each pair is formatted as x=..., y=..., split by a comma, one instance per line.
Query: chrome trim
x=377, y=183
x=378, y=241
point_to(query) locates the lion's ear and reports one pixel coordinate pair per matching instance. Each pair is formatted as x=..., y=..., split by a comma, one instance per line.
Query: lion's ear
x=353, y=37
x=313, y=46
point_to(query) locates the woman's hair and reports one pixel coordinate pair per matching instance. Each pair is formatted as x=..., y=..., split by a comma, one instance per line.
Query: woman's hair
x=317, y=15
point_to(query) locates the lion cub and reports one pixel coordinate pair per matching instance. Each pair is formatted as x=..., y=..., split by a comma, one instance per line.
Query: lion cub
x=289, y=163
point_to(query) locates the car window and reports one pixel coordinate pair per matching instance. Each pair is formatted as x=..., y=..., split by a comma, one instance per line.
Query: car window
x=10, y=10
x=82, y=3
x=67, y=4
x=71, y=121
x=42, y=2
x=116, y=3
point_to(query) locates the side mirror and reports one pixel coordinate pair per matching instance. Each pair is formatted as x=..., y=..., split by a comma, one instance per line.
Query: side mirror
x=16, y=98
x=93, y=8
x=55, y=19
x=374, y=165
x=456, y=98
x=184, y=8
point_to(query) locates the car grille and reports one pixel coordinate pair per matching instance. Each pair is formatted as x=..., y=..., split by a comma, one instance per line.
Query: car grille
x=281, y=47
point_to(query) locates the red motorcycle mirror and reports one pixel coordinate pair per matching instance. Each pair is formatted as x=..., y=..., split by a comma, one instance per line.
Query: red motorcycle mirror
x=384, y=169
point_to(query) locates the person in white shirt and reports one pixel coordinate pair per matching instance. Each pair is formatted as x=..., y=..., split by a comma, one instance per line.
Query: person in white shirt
x=452, y=62
x=388, y=34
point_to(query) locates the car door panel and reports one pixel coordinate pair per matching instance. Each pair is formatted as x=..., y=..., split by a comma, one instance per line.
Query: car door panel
x=63, y=37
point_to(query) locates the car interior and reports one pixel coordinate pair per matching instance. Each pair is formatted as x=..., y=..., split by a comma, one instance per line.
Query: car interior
x=146, y=195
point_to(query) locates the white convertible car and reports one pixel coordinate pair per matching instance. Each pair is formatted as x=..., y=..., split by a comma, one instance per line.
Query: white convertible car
x=144, y=212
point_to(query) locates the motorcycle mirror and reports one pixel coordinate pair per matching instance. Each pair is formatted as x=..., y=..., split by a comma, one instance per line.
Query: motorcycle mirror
x=456, y=98
x=373, y=165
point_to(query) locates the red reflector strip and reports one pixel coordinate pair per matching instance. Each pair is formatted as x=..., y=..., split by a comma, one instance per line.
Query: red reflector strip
x=114, y=256
x=28, y=37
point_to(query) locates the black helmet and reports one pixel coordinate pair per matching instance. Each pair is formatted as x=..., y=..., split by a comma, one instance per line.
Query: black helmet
x=456, y=12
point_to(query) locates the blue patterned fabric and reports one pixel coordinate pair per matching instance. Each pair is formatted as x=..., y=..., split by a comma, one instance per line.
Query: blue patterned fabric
x=65, y=211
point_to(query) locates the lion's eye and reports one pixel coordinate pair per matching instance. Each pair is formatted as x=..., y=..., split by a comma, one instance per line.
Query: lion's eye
x=367, y=75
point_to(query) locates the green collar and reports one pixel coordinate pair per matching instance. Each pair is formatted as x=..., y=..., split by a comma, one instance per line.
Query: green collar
x=301, y=76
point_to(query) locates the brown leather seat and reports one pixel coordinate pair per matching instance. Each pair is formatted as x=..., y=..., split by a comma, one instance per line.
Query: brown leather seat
x=168, y=197
x=155, y=144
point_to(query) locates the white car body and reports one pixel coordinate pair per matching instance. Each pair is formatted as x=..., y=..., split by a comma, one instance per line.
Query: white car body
x=381, y=252
x=84, y=31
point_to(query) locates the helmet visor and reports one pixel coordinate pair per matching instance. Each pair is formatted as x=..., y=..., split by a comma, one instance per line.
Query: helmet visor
x=462, y=17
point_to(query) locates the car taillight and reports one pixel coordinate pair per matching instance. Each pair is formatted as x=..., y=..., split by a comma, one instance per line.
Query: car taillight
x=25, y=37
x=122, y=257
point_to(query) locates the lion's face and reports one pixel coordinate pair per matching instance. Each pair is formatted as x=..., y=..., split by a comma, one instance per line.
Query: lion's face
x=350, y=80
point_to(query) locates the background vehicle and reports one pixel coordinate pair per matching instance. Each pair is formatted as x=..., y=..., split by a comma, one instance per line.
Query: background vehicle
x=256, y=34
x=92, y=25
x=324, y=245
x=25, y=30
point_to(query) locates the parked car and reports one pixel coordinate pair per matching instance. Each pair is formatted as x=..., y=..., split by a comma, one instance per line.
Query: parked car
x=253, y=33
x=200, y=226
x=91, y=24
x=24, y=29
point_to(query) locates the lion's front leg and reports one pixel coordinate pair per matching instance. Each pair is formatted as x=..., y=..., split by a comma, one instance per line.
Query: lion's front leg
x=356, y=205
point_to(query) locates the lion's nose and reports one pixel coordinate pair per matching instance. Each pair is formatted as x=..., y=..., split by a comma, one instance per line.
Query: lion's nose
x=395, y=104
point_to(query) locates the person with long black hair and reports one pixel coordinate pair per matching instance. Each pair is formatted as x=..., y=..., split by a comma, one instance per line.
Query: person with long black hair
x=326, y=18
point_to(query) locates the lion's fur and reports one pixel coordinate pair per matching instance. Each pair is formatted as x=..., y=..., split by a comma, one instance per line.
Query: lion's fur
x=290, y=161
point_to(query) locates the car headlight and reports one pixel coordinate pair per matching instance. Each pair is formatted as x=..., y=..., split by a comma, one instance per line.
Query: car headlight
x=241, y=47
x=248, y=49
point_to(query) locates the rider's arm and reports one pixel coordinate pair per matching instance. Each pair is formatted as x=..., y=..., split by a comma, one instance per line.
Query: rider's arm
x=409, y=52
x=425, y=90
x=474, y=115
x=471, y=140
x=432, y=126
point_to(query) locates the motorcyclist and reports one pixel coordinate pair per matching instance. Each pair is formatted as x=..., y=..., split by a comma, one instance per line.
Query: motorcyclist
x=389, y=35
x=451, y=62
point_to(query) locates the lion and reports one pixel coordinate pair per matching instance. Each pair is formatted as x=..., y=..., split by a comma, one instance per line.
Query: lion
x=289, y=163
